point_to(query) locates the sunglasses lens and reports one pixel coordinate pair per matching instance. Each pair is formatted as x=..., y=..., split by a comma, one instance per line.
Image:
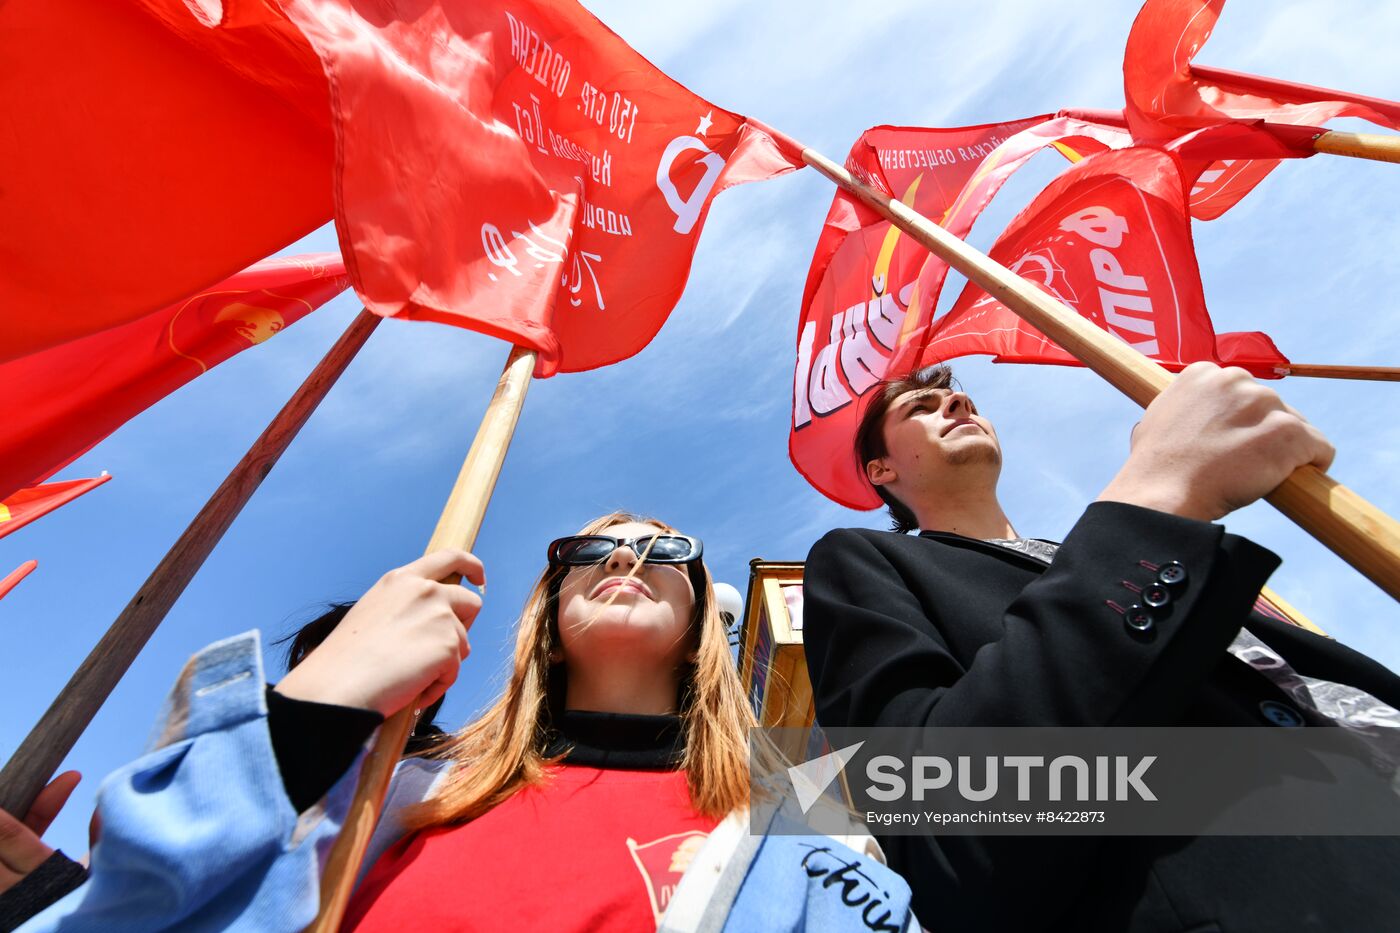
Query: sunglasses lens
x=665, y=548
x=584, y=550
x=594, y=549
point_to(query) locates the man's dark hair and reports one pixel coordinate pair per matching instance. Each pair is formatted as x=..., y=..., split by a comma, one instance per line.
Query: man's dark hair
x=870, y=435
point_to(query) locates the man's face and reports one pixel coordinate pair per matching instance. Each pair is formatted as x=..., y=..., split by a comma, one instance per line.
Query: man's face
x=929, y=431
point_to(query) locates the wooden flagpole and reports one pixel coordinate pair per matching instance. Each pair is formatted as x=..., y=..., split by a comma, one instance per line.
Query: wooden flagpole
x=1355, y=530
x=1317, y=371
x=43, y=750
x=1375, y=146
x=1324, y=371
x=456, y=528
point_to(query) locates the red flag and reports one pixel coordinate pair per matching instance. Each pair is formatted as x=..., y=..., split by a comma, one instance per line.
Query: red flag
x=1167, y=96
x=20, y=508
x=64, y=400
x=1111, y=239
x=145, y=156
x=1223, y=161
x=1253, y=351
x=12, y=579
x=871, y=291
x=521, y=171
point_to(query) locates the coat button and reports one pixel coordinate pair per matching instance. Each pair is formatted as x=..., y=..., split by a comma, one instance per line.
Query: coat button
x=1138, y=619
x=1173, y=573
x=1156, y=595
x=1280, y=714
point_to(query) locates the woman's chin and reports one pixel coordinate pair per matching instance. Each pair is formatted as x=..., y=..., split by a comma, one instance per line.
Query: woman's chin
x=626, y=627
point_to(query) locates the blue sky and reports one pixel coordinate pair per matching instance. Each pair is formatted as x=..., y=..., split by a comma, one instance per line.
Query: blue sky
x=694, y=429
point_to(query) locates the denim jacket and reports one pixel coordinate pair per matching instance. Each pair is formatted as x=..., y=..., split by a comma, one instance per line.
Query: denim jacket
x=198, y=834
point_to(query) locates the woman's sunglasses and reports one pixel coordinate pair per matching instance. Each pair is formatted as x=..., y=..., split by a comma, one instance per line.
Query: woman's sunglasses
x=584, y=550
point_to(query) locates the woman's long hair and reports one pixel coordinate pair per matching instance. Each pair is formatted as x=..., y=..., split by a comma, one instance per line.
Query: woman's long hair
x=501, y=752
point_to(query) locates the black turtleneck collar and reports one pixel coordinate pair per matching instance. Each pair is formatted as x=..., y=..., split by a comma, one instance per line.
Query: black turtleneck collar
x=622, y=741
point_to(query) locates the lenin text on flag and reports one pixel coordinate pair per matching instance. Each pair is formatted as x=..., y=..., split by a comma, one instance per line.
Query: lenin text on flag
x=516, y=168
x=20, y=508
x=1111, y=239
x=63, y=400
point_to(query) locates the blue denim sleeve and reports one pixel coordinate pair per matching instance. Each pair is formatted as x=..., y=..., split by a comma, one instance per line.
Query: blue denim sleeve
x=199, y=834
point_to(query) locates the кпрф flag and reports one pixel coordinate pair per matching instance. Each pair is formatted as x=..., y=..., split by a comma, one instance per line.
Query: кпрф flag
x=1111, y=239
x=868, y=310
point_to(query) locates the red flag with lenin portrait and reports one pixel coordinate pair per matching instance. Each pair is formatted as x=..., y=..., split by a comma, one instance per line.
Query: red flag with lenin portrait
x=871, y=291
x=1111, y=239
x=517, y=169
x=62, y=401
x=1167, y=96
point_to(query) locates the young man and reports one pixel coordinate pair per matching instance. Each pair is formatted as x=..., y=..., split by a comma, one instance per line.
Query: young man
x=1142, y=617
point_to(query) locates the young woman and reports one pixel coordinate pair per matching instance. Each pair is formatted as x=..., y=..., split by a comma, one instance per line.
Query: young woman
x=606, y=789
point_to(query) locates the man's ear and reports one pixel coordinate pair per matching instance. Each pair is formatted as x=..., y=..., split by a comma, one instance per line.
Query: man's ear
x=879, y=472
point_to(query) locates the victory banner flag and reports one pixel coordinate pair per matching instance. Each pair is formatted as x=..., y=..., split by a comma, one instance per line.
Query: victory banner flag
x=145, y=156
x=517, y=169
x=871, y=291
x=1167, y=96
x=22, y=507
x=62, y=401
x=1111, y=239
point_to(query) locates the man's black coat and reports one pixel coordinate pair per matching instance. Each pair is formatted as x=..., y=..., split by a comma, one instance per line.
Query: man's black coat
x=943, y=630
